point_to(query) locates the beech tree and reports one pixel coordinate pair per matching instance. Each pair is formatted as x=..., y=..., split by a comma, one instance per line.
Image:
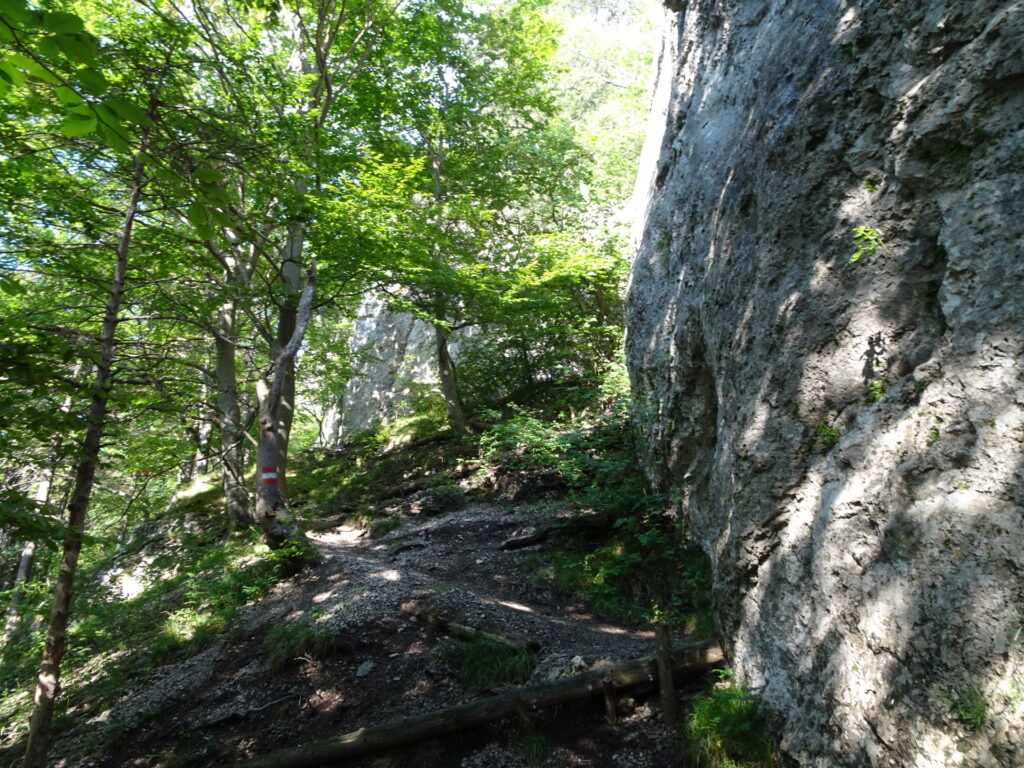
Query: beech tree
x=467, y=106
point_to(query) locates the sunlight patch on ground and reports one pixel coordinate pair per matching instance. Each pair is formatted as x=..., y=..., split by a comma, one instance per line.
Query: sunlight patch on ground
x=515, y=606
x=344, y=534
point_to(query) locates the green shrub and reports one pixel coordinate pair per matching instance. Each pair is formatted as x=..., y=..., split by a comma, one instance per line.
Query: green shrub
x=646, y=567
x=531, y=444
x=868, y=240
x=533, y=746
x=828, y=436
x=971, y=708
x=874, y=391
x=725, y=728
x=483, y=663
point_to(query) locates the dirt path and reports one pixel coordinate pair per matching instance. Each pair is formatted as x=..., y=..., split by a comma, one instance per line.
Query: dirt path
x=226, y=702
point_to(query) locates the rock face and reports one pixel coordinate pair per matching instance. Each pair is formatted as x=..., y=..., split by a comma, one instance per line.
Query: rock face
x=395, y=365
x=393, y=353
x=845, y=436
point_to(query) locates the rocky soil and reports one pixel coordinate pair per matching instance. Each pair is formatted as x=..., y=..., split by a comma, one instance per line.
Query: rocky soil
x=227, y=702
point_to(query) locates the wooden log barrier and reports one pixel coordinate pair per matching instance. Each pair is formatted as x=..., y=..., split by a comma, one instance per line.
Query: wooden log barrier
x=688, y=661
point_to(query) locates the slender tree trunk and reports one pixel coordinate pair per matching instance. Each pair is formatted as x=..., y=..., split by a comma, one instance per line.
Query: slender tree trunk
x=28, y=553
x=291, y=275
x=445, y=365
x=663, y=644
x=271, y=502
x=449, y=384
x=232, y=449
x=21, y=577
x=199, y=432
x=48, y=686
x=28, y=550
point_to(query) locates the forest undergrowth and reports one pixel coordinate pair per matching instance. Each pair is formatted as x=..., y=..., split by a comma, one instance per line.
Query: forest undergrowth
x=176, y=584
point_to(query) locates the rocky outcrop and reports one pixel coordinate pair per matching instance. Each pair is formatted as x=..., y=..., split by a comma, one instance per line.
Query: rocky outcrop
x=394, y=369
x=392, y=353
x=844, y=435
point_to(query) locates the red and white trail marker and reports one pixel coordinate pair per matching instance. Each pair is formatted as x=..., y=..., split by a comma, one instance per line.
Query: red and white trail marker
x=269, y=475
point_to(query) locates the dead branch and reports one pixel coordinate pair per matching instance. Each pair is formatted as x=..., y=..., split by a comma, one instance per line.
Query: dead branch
x=536, y=534
x=464, y=632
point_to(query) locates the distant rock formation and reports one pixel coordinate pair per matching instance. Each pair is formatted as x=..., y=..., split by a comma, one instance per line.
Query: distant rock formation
x=395, y=363
x=844, y=435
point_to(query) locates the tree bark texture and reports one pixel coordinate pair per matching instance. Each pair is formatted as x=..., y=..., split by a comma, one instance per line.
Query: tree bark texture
x=237, y=504
x=270, y=500
x=449, y=384
x=48, y=685
x=688, y=661
x=291, y=276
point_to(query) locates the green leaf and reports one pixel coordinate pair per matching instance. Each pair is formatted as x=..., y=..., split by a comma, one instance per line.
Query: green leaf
x=81, y=47
x=221, y=217
x=165, y=174
x=19, y=12
x=77, y=125
x=113, y=139
x=12, y=74
x=93, y=81
x=48, y=47
x=197, y=216
x=60, y=21
x=67, y=96
x=209, y=175
x=11, y=286
x=33, y=67
x=128, y=111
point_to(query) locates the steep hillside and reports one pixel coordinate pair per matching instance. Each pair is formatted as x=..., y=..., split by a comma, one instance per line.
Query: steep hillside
x=824, y=334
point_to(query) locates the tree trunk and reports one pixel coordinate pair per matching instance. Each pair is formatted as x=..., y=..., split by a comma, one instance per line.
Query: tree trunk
x=48, y=686
x=449, y=384
x=271, y=503
x=28, y=550
x=291, y=276
x=24, y=573
x=237, y=504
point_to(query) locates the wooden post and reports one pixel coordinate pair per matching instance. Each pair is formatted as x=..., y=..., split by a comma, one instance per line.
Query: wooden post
x=611, y=713
x=663, y=642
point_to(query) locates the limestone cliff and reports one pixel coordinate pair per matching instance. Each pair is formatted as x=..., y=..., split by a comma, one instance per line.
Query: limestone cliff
x=845, y=436
x=394, y=367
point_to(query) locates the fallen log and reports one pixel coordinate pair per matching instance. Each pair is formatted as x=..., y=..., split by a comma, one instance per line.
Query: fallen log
x=462, y=631
x=688, y=661
x=537, y=534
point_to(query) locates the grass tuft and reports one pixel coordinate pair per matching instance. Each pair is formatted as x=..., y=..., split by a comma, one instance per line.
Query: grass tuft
x=483, y=663
x=297, y=639
x=725, y=729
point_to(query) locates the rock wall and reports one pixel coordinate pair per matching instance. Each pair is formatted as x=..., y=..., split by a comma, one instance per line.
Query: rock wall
x=394, y=364
x=845, y=436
